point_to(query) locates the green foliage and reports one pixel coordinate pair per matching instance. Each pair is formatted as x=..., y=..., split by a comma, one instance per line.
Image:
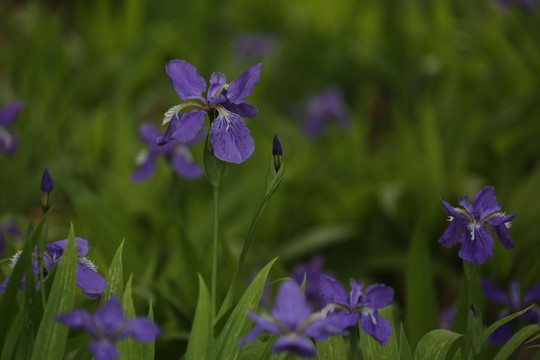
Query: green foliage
x=516, y=340
x=438, y=344
x=201, y=335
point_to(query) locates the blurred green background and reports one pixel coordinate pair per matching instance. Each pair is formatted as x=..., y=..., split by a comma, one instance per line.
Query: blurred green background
x=443, y=98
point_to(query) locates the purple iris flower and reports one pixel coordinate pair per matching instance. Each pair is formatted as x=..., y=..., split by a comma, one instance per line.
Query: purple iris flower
x=312, y=271
x=468, y=226
x=513, y=303
x=253, y=46
x=10, y=229
x=322, y=108
x=8, y=114
x=91, y=283
x=107, y=326
x=176, y=153
x=293, y=320
x=360, y=306
x=447, y=317
x=229, y=136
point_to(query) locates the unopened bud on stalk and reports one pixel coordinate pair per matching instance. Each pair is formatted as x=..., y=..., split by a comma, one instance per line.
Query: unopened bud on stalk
x=47, y=186
x=276, y=170
x=277, y=152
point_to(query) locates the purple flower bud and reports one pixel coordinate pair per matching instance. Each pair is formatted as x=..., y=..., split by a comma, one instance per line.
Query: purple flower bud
x=47, y=183
x=277, y=152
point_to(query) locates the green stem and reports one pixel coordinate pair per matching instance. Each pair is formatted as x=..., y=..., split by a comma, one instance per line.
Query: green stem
x=353, y=338
x=215, y=193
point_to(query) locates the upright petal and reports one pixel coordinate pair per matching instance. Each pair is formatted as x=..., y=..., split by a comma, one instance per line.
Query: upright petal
x=494, y=293
x=91, y=283
x=377, y=296
x=332, y=290
x=466, y=205
x=230, y=138
x=9, y=112
x=356, y=290
x=291, y=306
x=189, y=124
x=243, y=86
x=484, y=199
x=56, y=248
x=185, y=79
x=217, y=80
x=149, y=133
x=450, y=210
x=110, y=317
x=376, y=326
x=141, y=329
x=104, y=350
x=479, y=250
x=300, y=345
x=182, y=163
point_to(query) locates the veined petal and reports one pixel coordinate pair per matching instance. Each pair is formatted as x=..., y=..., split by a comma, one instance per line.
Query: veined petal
x=290, y=307
x=185, y=79
x=9, y=112
x=478, y=249
x=376, y=326
x=332, y=290
x=104, y=350
x=182, y=163
x=377, y=296
x=356, y=290
x=243, y=86
x=230, y=138
x=244, y=109
x=300, y=345
x=484, y=199
x=141, y=329
x=217, y=81
x=189, y=124
x=91, y=283
x=494, y=293
x=454, y=233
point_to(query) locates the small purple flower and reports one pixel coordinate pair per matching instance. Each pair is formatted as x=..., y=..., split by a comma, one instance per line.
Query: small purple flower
x=524, y=5
x=312, y=272
x=468, y=226
x=513, y=303
x=107, y=326
x=324, y=107
x=229, y=136
x=176, y=153
x=253, y=46
x=8, y=114
x=91, y=283
x=360, y=306
x=10, y=229
x=292, y=319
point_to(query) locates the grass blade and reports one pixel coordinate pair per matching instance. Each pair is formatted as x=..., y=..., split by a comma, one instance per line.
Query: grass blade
x=115, y=277
x=201, y=336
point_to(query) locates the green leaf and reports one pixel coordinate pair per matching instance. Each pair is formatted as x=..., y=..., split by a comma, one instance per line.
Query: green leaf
x=115, y=277
x=7, y=304
x=503, y=321
x=332, y=348
x=13, y=337
x=515, y=341
x=149, y=347
x=371, y=349
x=129, y=348
x=404, y=348
x=201, y=337
x=226, y=345
x=438, y=344
x=51, y=336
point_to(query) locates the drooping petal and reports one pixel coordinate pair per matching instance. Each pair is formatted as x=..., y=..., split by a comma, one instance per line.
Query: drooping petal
x=532, y=295
x=243, y=109
x=450, y=210
x=243, y=86
x=356, y=290
x=494, y=293
x=479, y=250
x=189, y=124
x=182, y=163
x=110, y=317
x=217, y=80
x=141, y=329
x=300, y=345
x=504, y=236
x=104, y=350
x=145, y=170
x=332, y=290
x=185, y=79
x=77, y=319
x=343, y=319
x=149, y=133
x=230, y=138
x=376, y=326
x=262, y=324
x=377, y=296
x=8, y=142
x=56, y=248
x=290, y=307
x=484, y=199
x=322, y=328
x=9, y=112
x=91, y=283
x=502, y=334
x=454, y=233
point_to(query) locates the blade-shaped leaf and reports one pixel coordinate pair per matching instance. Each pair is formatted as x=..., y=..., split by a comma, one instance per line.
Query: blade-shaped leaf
x=371, y=349
x=515, y=341
x=226, y=345
x=404, y=348
x=149, y=347
x=129, y=348
x=13, y=337
x=438, y=344
x=51, y=336
x=497, y=324
x=115, y=277
x=201, y=337
x=332, y=348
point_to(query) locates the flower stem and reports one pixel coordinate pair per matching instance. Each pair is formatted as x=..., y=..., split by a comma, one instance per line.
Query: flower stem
x=215, y=194
x=353, y=338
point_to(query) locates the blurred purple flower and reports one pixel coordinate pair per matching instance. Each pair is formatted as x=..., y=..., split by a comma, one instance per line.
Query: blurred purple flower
x=312, y=271
x=468, y=226
x=446, y=318
x=176, y=153
x=91, y=283
x=360, y=306
x=229, y=136
x=292, y=319
x=10, y=229
x=525, y=5
x=8, y=114
x=324, y=107
x=253, y=46
x=107, y=326
x=512, y=303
